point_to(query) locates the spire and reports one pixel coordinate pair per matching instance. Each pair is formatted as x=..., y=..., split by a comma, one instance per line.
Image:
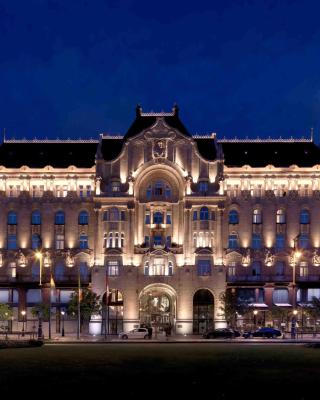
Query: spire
x=138, y=110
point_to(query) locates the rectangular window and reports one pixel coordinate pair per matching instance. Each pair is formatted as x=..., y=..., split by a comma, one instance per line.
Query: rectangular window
x=231, y=270
x=113, y=268
x=147, y=241
x=168, y=219
x=83, y=241
x=88, y=187
x=59, y=242
x=157, y=240
x=280, y=241
x=304, y=269
x=147, y=220
x=12, y=242
x=81, y=191
x=195, y=215
x=168, y=241
x=204, y=267
x=115, y=186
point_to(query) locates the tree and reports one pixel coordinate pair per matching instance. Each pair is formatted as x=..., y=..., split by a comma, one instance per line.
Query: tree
x=232, y=307
x=90, y=303
x=41, y=311
x=5, y=312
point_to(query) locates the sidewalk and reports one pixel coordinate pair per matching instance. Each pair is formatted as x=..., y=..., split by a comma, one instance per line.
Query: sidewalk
x=89, y=339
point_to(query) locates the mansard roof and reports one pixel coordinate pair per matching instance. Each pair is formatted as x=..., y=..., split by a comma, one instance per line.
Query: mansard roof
x=145, y=120
x=280, y=153
x=40, y=153
x=206, y=147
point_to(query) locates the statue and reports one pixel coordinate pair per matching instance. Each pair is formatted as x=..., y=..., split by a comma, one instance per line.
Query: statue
x=22, y=259
x=246, y=258
x=69, y=259
x=269, y=258
x=316, y=258
x=46, y=259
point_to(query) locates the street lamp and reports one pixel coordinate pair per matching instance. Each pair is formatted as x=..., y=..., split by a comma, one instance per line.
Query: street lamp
x=23, y=313
x=62, y=315
x=255, y=312
x=296, y=255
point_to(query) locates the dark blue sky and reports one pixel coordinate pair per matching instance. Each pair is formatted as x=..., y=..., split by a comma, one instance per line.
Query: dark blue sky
x=76, y=68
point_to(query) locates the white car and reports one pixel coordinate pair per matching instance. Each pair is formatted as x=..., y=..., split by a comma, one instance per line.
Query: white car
x=139, y=333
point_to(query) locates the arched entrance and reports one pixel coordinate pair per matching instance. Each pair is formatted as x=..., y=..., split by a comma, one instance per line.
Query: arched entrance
x=157, y=306
x=112, y=320
x=203, y=311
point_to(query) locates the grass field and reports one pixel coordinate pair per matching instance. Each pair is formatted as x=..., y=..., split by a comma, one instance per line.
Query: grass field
x=224, y=371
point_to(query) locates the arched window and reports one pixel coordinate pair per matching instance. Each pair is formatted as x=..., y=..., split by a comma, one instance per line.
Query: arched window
x=114, y=214
x=12, y=218
x=257, y=216
x=304, y=217
x=281, y=217
x=233, y=217
x=116, y=244
x=83, y=218
x=256, y=241
x=204, y=214
x=233, y=241
x=149, y=192
x=36, y=218
x=59, y=218
x=158, y=218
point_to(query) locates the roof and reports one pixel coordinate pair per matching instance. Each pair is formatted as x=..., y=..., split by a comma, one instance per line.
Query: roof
x=111, y=147
x=56, y=153
x=303, y=153
x=146, y=120
x=207, y=148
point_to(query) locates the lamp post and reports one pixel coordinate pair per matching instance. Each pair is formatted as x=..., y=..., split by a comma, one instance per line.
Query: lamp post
x=255, y=312
x=39, y=257
x=62, y=315
x=296, y=256
x=23, y=313
x=79, y=300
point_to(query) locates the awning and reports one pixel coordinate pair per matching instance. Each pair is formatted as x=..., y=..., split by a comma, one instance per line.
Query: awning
x=283, y=304
x=258, y=305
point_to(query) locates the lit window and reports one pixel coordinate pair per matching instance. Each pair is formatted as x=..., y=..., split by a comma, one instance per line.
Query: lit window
x=257, y=217
x=59, y=242
x=83, y=241
x=281, y=217
x=280, y=296
x=115, y=186
x=113, y=268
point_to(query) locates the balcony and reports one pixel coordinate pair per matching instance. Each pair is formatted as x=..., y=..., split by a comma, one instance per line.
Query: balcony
x=308, y=278
x=259, y=278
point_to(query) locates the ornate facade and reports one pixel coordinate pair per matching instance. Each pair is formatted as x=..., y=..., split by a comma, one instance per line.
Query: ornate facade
x=162, y=221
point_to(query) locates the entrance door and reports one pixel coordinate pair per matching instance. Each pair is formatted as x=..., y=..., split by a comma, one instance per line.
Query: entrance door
x=203, y=310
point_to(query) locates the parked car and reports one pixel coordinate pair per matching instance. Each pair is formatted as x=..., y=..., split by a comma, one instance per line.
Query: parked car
x=265, y=332
x=221, y=333
x=138, y=333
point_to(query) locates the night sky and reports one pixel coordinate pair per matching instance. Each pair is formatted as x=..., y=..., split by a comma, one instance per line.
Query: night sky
x=239, y=68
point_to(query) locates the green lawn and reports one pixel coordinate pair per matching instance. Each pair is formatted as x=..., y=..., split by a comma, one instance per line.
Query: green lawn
x=226, y=371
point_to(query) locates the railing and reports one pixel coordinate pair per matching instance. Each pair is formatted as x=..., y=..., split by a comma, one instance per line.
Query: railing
x=259, y=278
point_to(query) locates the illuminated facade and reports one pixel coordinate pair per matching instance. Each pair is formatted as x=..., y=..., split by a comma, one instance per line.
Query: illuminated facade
x=165, y=219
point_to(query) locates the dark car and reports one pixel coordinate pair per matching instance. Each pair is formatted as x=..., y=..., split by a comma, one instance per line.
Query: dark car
x=264, y=333
x=221, y=333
